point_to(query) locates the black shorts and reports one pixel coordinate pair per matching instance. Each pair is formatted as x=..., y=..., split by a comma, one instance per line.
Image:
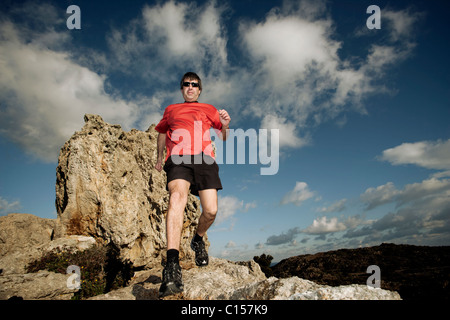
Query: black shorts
x=202, y=172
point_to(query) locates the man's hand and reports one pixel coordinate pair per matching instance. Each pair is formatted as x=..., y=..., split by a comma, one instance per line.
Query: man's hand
x=158, y=165
x=224, y=118
x=160, y=145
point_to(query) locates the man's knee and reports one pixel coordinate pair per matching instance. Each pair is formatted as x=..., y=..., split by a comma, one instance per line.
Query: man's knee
x=210, y=212
x=178, y=192
x=177, y=196
x=208, y=199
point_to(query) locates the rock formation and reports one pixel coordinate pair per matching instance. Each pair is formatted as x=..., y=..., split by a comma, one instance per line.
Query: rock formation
x=19, y=232
x=24, y=238
x=107, y=188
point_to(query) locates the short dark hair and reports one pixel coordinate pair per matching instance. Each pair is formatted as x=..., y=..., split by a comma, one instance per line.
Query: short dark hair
x=191, y=76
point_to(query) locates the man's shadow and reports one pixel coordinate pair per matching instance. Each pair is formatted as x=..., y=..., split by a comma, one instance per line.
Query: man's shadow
x=141, y=293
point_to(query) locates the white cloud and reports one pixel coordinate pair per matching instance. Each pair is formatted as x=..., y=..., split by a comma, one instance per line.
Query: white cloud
x=172, y=38
x=323, y=225
x=287, y=133
x=401, y=23
x=301, y=76
x=422, y=209
x=259, y=245
x=229, y=206
x=230, y=244
x=283, y=238
x=45, y=94
x=320, y=226
x=338, y=206
x=7, y=207
x=287, y=46
x=422, y=212
x=427, y=154
x=411, y=193
x=249, y=205
x=420, y=190
x=298, y=195
x=374, y=197
x=186, y=31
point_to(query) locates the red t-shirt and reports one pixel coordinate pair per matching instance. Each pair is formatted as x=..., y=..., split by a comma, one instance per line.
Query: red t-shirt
x=187, y=127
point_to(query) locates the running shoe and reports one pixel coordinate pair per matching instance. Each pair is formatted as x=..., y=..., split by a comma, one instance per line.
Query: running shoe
x=172, y=281
x=201, y=256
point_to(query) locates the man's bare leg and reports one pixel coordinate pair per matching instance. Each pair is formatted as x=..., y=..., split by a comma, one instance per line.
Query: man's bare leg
x=178, y=194
x=172, y=281
x=208, y=200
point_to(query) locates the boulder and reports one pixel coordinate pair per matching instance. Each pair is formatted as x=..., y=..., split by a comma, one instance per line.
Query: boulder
x=43, y=285
x=107, y=188
x=21, y=237
x=24, y=238
x=17, y=261
x=20, y=231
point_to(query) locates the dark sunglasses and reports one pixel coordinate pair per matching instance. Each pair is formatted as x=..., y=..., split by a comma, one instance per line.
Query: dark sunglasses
x=194, y=84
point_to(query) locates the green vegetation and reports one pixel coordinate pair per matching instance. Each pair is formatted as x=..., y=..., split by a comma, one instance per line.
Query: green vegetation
x=100, y=267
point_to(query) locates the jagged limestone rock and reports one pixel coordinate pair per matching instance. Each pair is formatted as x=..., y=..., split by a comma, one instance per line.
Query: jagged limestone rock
x=16, y=261
x=107, y=188
x=43, y=285
x=20, y=231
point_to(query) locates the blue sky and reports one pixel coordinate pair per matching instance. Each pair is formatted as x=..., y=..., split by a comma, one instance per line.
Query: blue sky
x=363, y=114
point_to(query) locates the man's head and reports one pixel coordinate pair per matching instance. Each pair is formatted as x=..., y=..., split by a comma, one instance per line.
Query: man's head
x=191, y=86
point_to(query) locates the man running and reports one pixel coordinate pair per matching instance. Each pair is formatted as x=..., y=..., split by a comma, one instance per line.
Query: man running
x=190, y=167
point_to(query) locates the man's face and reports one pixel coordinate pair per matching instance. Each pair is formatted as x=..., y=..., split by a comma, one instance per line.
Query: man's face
x=190, y=93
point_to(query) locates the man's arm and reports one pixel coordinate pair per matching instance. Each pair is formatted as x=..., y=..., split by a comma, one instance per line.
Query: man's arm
x=161, y=144
x=225, y=120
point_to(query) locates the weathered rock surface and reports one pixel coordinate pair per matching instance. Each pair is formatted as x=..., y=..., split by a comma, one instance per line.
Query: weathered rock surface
x=226, y=280
x=19, y=232
x=107, y=188
x=16, y=261
x=43, y=285
x=24, y=238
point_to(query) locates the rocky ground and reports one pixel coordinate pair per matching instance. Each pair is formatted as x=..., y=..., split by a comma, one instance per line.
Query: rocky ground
x=220, y=280
x=415, y=272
